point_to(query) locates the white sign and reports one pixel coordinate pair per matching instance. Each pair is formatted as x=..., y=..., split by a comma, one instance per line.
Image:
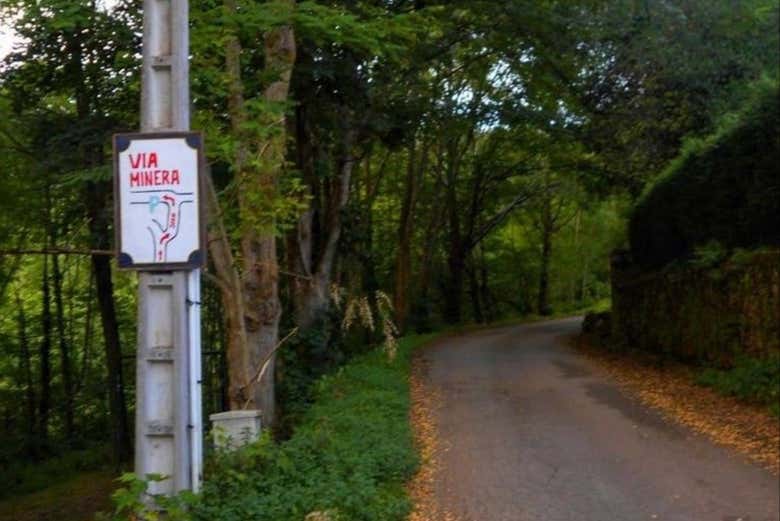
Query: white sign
x=157, y=191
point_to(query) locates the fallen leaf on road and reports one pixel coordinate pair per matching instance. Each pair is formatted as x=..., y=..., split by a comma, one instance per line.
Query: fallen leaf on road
x=670, y=389
x=425, y=400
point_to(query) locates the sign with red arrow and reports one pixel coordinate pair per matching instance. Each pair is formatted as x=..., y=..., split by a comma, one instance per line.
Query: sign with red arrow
x=157, y=188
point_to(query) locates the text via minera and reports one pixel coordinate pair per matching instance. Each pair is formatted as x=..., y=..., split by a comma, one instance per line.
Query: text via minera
x=145, y=172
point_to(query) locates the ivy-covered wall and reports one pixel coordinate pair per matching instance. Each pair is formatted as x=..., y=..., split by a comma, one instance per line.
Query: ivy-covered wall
x=700, y=313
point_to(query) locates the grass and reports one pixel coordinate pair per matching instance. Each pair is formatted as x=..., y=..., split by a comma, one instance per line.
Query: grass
x=350, y=457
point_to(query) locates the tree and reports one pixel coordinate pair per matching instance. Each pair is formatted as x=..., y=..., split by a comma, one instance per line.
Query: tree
x=657, y=71
x=340, y=92
x=66, y=83
x=257, y=141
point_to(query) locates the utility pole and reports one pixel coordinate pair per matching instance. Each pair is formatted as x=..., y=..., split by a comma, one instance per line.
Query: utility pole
x=168, y=374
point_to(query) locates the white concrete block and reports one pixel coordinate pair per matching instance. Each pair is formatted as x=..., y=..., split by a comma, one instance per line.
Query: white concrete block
x=233, y=429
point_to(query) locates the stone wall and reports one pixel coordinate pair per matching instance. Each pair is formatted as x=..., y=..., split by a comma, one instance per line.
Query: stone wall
x=696, y=313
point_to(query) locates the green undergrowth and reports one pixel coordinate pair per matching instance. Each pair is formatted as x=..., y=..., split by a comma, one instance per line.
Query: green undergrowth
x=22, y=476
x=350, y=456
x=750, y=379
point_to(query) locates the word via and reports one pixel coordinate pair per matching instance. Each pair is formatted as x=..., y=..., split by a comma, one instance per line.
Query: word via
x=143, y=160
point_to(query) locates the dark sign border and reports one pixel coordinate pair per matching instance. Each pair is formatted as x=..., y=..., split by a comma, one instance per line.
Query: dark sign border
x=197, y=258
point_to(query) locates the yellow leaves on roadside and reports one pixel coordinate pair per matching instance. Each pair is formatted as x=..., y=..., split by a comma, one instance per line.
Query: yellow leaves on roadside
x=749, y=429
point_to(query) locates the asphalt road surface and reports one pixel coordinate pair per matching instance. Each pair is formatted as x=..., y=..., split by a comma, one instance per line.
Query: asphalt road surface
x=530, y=430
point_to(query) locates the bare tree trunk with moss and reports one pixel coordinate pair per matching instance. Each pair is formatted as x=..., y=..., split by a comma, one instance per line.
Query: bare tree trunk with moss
x=311, y=291
x=250, y=292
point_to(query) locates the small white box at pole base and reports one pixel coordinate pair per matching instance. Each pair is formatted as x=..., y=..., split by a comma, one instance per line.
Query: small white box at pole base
x=234, y=429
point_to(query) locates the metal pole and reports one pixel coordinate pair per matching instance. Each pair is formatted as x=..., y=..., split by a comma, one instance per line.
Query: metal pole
x=196, y=403
x=168, y=407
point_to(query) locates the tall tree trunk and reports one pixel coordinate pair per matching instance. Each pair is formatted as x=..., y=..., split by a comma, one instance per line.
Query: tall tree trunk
x=403, y=261
x=262, y=314
x=44, y=404
x=454, y=284
x=474, y=293
x=543, y=303
x=85, y=355
x=369, y=283
x=26, y=367
x=97, y=208
x=251, y=300
x=229, y=281
x=484, y=289
x=547, y=227
x=65, y=361
x=261, y=268
x=237, y=352
x=455, y=261
x=305, y=238
x=311, y=294
x=423, y=280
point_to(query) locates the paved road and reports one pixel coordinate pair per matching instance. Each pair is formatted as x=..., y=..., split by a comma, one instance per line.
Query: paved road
x=533, y=431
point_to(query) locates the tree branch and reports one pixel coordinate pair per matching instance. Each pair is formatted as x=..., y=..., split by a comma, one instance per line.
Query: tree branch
x=497, y=219
x=55, y=251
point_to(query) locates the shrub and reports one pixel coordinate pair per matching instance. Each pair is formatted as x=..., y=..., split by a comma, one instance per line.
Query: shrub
x=349, y=457
x=751, y=379
x=724, y=189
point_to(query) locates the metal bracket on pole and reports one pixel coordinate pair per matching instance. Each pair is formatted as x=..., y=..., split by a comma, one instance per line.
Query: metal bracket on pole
x=168, y=405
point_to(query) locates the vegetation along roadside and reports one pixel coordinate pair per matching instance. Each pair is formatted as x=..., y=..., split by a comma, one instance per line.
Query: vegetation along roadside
x=349, y=458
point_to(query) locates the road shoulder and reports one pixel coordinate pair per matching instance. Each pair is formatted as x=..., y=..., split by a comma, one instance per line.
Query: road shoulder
x=671, y=390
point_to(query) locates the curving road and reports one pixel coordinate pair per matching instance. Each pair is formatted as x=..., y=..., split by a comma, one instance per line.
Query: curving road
x=530, y=430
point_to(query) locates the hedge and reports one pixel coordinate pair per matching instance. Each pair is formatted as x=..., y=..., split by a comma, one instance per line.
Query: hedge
x=723, y=189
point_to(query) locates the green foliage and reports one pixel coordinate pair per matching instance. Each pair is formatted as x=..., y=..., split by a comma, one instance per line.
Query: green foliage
x=479, y=95
x=579, y=268
x=131, y=501
x=309, y=355
x=709, y=255
x=662, y=70
x=351, y=454
x=725, y=188
x=751, y=379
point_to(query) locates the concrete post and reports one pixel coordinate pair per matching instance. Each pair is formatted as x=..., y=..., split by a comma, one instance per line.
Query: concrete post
x=168, y=404
x=162, y=393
